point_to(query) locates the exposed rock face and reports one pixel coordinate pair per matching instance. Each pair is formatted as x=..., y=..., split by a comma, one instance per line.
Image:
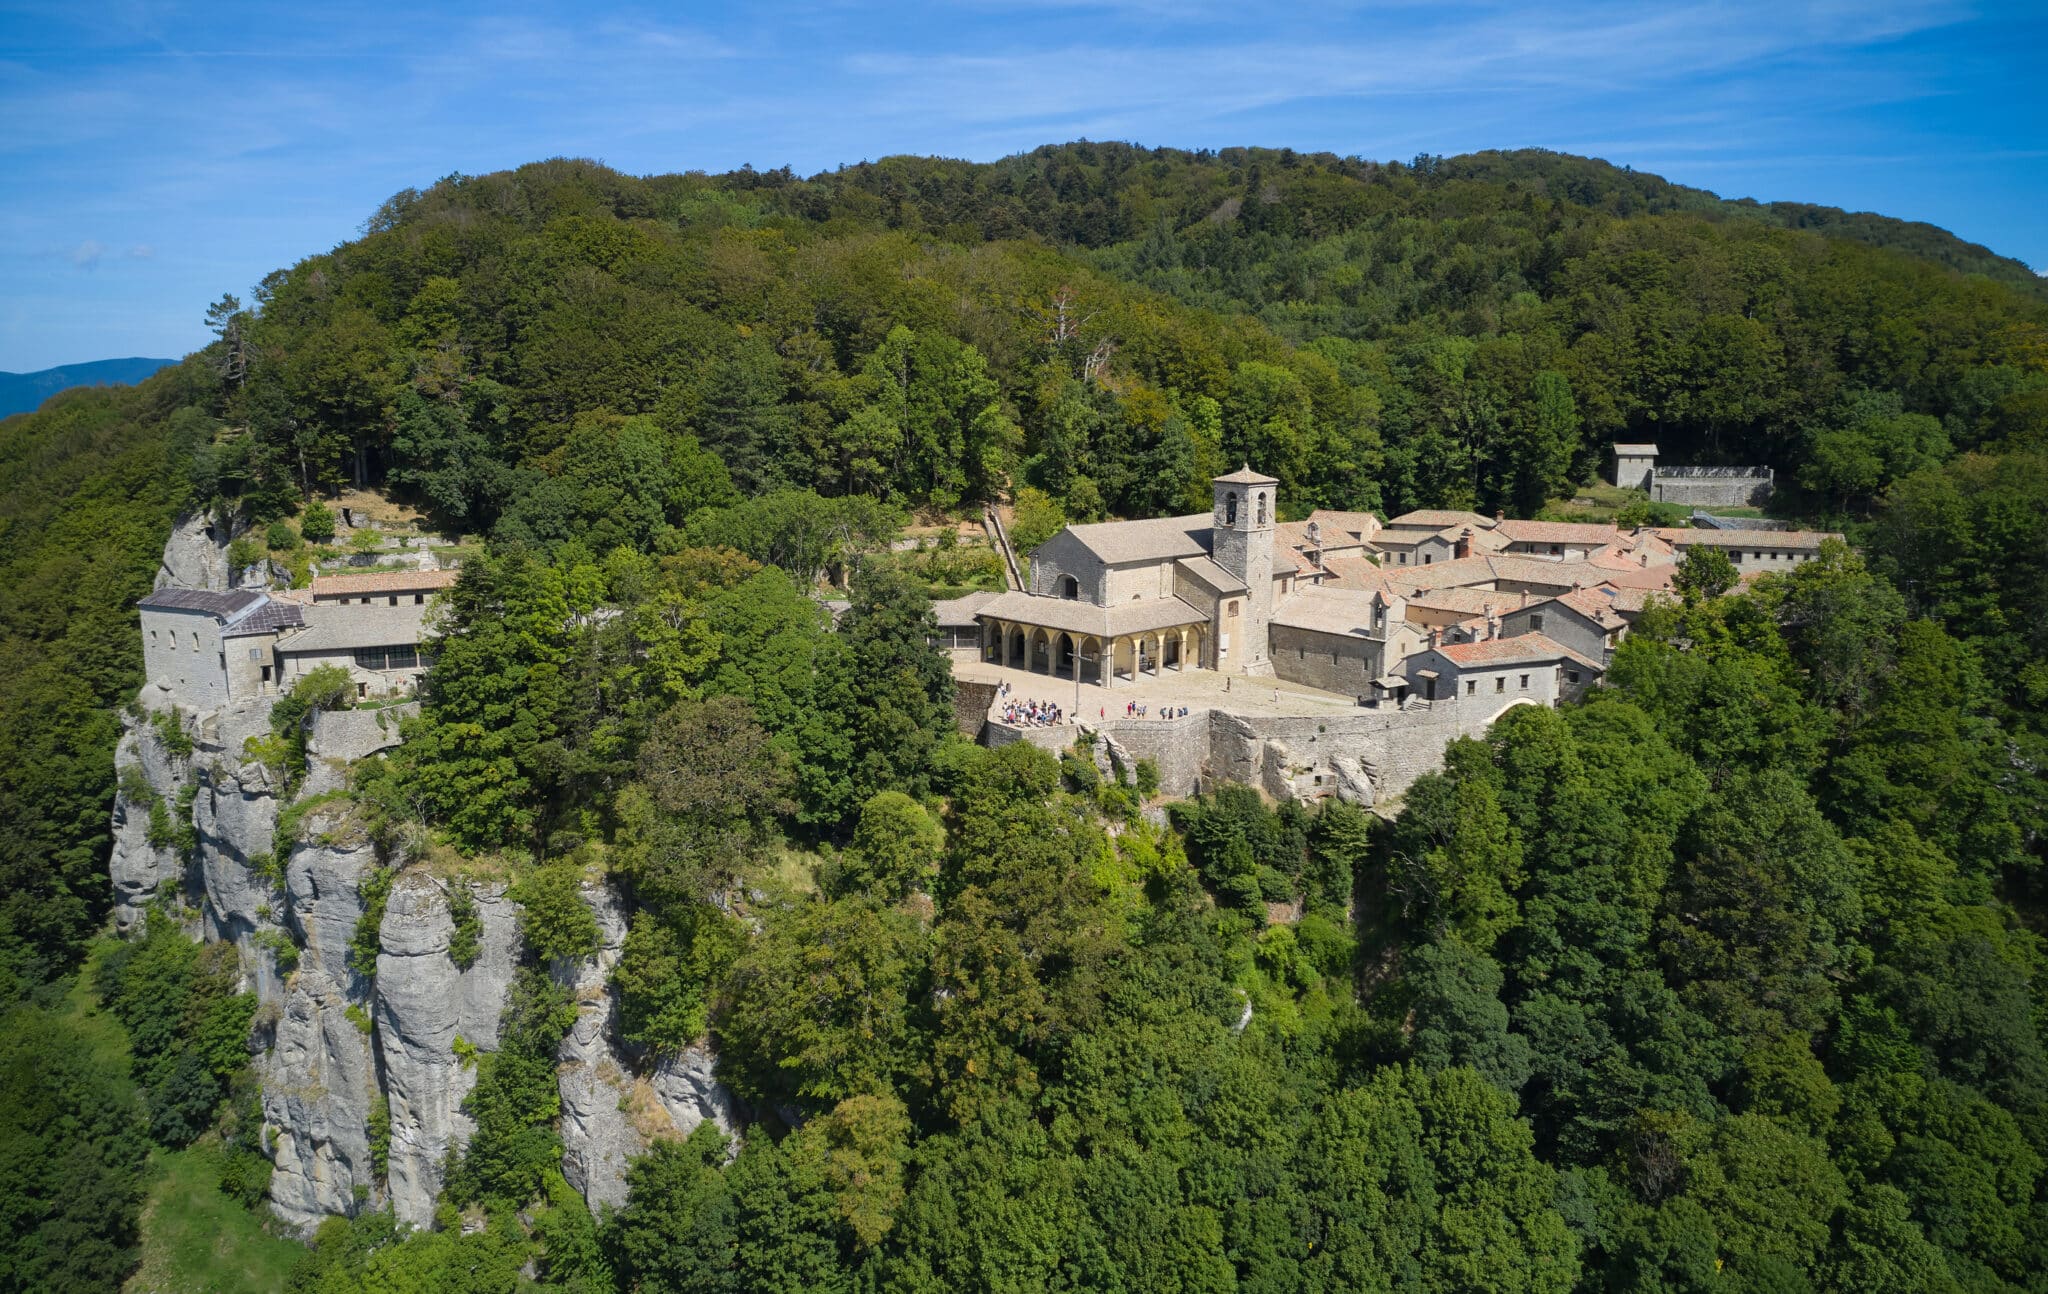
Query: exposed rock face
x=137, y=867
x=318, y=1084
x=195, y=556
x=324, y=1073
x=689, y=1090
x=423, y=1003
x=598, y=1136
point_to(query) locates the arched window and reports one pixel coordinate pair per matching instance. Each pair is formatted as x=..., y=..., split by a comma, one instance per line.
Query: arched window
x=1230, y=508
x=1262, y=507
x=1070, y=588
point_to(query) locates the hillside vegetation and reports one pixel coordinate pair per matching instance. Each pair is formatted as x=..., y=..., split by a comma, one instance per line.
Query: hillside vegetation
x=1726, y=979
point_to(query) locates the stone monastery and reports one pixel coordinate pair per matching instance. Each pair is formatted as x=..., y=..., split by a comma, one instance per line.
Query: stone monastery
x=1393, y=638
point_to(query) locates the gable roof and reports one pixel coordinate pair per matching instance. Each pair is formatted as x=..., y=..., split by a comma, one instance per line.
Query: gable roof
x=1155, y=539
x=1522, y=649
x=1636, y=451
x=1800, y=539
x=1558, y=532
x=1087, y=618
x=1437, y=519
x=339, y=627
x=383, y=582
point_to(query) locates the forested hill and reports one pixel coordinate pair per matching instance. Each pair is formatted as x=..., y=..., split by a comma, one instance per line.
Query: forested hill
x=1095, y=195
x=1727, y=979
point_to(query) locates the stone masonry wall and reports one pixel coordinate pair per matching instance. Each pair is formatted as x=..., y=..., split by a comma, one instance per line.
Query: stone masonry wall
x=1711, y=491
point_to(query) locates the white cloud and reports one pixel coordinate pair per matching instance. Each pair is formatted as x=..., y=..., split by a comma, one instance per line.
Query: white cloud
x=86, y=255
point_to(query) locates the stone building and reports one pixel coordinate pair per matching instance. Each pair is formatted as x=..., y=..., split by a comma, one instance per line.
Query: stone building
x=387, y=588
x=379, y=646
x=1121, y=599
x=202, y=649
x=1754, y=551
x=1636, y=468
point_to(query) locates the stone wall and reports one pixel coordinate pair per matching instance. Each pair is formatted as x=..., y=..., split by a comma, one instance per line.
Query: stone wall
x=1711, y=491
x=1365, y=755
x=970, y=706
x=1064, y=555
x=1342, y=663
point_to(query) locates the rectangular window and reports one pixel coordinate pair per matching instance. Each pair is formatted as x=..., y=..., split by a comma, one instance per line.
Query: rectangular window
x=1500, y=684
x=1525, y=682
x=266, y=673
x=1471, y=687
x=1571, y=676
x=1536, y=623
x=419, y=599
x=394, y=599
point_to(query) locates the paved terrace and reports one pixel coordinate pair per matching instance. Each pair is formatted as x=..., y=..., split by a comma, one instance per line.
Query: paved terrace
x=1200, y=690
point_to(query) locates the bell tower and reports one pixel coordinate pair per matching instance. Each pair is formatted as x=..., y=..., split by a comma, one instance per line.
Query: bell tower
x=1241, y=541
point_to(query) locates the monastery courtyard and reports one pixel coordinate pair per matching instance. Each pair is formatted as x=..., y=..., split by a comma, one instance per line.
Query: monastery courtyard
x=1197, y=689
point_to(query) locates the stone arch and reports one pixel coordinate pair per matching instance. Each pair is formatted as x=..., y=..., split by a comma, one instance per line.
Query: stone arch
x=1066, y=657
x=1013, y=653
x=1261, y=497
x=1230, y=508
x=1070, y=588
x=1518, y=701
x=1039, y=656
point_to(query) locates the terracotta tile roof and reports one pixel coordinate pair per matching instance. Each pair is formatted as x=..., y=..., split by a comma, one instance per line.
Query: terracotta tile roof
x=1364, y=525
x=1801, y=539
x=1593, y=604
x=1520, y=650
x=1472, y=601
x=1558, y=532
x=383, y=582
x=1438, y=518
x=1634, y=577
x=1354, y=572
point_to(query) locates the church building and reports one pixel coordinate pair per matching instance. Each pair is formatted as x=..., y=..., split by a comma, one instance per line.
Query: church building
x=1121, y=599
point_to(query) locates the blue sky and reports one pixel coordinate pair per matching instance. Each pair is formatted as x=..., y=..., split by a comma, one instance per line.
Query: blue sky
x=155, y=155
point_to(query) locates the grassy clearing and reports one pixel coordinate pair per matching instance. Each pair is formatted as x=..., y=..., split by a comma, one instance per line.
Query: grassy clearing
x=196, y=1238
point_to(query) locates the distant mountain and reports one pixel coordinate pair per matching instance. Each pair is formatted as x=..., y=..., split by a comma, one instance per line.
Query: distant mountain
x=21, y=392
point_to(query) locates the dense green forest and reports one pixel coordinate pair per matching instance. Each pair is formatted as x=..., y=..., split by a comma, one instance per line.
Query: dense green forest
x=1726, y=979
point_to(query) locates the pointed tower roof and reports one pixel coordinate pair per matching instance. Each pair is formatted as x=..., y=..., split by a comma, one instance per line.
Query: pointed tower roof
x=1246, y=476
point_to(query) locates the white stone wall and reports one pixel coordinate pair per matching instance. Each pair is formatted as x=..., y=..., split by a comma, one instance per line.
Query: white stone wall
x=181, y=655
x=1710, y=491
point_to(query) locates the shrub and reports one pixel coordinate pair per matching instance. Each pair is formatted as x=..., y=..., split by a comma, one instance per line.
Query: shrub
x=171, y=731
x=1148, y=779
x=280, y=538
x=364, y=944
x=245, y=552
x=465, y=942
x=554, y=920
x=316, y=523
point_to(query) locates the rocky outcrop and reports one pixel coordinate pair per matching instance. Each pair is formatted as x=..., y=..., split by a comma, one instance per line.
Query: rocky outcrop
x=196, y=555
x=150, y=781
x=423, y=1003
x=598, y=1133
x=319, y=1082
x=688, y=1088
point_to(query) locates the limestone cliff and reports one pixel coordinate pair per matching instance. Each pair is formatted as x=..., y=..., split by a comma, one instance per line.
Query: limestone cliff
x=362, y=1078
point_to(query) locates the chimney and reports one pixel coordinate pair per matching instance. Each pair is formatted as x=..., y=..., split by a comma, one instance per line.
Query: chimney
x=1499, y=515
x=1436, y=636
x=1492, y=622
x=1464, y=548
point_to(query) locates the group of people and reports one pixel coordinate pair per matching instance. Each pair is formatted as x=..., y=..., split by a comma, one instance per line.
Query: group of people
x=1139, y=710
x=1028, y=712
